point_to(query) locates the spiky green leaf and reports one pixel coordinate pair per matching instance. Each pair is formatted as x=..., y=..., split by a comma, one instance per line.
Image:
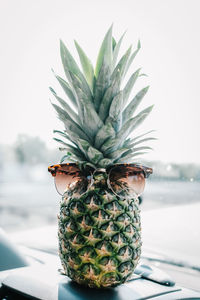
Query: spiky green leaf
x=104, y=133
x=65, y=135
x=128, y=87
x=70, y=65
x=83, y=164
x=121, y=66
x=117, y=154
x=130, y=157
x=127, y=142
x=64, y=144
x=94, y=155
x=143, y=75
x=61, y=133
x=71, y=149
x=137, y=154
x=62, y=114
x=90, y=153
x=132, y=58
x=113, y=43
x=83, y=145
x=66, y=107
x=67, y=156
x=70, y=125
x=105, y=162
x=86, y=65
x=141, y=135
x=67, y=89
x=115, y=112
x=101, y=84
x=141, y=117
x=110, y=145
x=71, y=158
x=142, y=141
x=91, y=121
x=110, y=93
x=142, y=148
x=116, y=51
x=105, y=52
x=116, y=105
x=132, y=106
x=132, y=123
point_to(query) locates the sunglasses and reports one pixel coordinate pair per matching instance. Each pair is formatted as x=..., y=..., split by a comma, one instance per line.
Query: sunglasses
x=122, y=179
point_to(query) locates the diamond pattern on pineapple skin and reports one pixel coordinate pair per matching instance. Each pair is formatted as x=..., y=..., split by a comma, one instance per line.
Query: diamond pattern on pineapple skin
x=83, y=224
x=91, y=274
x=91, y=238
x=72, y=264
x=102, y=251
x=86, y=258
x=92, y=205
x=96, y=225
x=109, y=267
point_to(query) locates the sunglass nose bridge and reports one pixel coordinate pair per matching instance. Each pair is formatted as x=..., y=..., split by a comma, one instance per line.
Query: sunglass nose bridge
x=100, y=174
x=100, y=170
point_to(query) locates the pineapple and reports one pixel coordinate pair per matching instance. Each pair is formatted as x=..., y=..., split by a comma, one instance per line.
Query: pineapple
x=99, y=233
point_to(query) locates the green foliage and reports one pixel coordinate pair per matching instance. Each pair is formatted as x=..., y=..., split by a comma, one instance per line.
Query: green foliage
x=70, y=66
x=99, y=118
x=110, y=93
x=132, y=106
x=116, y=51
x=104, y=133
x=105, y=53
x=113, y=44
x=101, y=84
x=129, y=86
x=132, y=57
x=115, y=112
x=121, y=66
x=67, y=89
x=86, y=65
x=73, y=115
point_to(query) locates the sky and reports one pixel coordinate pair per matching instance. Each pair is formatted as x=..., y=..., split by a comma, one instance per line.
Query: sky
x=169, y=33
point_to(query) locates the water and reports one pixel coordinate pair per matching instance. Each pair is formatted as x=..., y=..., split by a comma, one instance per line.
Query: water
x=166, y=193
x=28, y=205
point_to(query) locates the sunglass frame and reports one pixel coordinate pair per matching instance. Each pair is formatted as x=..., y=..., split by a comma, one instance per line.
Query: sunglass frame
x=146, y=171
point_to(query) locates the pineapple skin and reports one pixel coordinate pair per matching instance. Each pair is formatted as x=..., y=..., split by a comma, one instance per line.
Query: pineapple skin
x=99, y=236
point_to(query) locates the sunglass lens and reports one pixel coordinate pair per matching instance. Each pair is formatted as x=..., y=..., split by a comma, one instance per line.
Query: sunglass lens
x=70, y=178
x=127, y=180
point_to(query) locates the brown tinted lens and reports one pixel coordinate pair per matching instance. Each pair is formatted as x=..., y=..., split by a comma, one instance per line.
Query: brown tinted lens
x=127, y=180
x=70, y=178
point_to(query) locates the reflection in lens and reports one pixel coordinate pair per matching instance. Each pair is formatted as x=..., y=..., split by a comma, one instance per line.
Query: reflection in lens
x=69, y=179
x=127, y=180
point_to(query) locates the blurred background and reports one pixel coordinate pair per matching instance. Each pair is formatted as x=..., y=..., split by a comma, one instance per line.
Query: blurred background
x=30, y=32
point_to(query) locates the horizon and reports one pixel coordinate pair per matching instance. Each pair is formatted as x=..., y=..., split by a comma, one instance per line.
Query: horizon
x=144, y=158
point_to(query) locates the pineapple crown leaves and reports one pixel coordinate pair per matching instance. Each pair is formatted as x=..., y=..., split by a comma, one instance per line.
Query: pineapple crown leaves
x=102, y=82
x=86, y=65
x=98, y=116
x=110, y=93
x=66, y=107
x=116, y=51
x=105, y=52
x=67, y=89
